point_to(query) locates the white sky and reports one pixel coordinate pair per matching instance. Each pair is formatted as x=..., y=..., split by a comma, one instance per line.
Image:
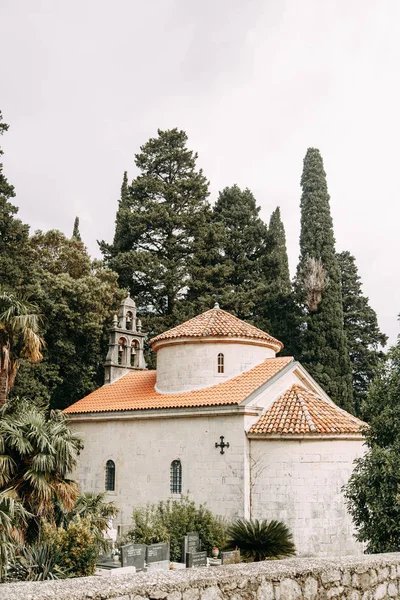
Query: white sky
x=253, y=82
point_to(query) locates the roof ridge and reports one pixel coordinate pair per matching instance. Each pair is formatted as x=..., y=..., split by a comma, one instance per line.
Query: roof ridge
x=304, y=407
x=330, y=403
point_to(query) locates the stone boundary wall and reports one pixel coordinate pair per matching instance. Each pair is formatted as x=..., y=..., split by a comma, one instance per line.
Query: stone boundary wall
x=371, y=577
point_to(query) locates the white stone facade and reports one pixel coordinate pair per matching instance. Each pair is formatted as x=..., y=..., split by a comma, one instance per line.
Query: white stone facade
x=300, y=483
x=143, y=450
x=192, y=365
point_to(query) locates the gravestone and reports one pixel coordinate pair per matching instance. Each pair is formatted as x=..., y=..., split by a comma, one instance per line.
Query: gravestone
x=230, y=558
x=196, y=559
x=157, y=552
x=191, y=543
x=133, y=555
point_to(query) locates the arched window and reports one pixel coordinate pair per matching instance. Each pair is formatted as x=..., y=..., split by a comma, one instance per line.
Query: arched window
x=122, y=351
x=110, y=476
x=176, y=477
x=129, y=320
x=135, y=353
x=220, y=363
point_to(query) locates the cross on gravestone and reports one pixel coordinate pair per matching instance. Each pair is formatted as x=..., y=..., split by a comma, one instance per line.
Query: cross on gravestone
x=196, y=559
x=157, y=552
x=133, y=555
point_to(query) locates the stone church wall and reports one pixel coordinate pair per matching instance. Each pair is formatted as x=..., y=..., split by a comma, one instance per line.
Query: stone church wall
x=300, y=483
x=373, y=577
x=143, y=450
x=182, y=367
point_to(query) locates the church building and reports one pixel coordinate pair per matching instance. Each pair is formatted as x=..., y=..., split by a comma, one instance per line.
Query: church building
x=225, y=419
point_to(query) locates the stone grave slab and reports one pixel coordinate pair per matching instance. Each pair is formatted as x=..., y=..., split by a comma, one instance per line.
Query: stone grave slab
x=196, y=559
x=159, y=565
x=157, y=552
x=230, y=558
x=133, y=555
x=191, y=543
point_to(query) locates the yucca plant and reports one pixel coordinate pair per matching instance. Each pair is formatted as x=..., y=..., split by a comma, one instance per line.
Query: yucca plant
x=258, y=540
x=37, y=563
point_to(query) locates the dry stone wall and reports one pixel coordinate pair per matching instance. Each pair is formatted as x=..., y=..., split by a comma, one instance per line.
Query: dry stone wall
x=374, y=577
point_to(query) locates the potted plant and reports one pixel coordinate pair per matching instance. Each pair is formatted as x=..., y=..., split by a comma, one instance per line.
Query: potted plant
x=215, y=552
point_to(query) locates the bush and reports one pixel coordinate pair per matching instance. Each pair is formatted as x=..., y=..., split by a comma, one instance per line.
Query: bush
x=258, y=540
x=172, y=520
x=76, y=547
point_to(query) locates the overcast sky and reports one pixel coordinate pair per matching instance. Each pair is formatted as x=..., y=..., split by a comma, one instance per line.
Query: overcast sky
x=253, y=82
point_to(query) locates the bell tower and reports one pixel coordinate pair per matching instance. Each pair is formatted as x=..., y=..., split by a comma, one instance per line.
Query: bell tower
x=125, y=348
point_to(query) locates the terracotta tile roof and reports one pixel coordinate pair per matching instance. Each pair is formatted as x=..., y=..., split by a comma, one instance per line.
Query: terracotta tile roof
x=135, y=391
x=299, y=411
x=217, y=323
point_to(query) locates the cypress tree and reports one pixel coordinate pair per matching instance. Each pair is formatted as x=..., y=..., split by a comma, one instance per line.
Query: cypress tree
x=280, y=314
x=241, y=250
x=76, y=233
x=323, y=349
x=364, y=338
x=14, y=235
x=160, y=217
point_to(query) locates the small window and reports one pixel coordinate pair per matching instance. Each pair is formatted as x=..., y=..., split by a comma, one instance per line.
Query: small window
x=220, y=363
x=110, y=476
x=176, y=477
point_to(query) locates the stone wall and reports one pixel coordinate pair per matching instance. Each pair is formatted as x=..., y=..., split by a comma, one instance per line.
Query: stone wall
x=188, y=366
x=143, y=449
x=368, y=578
x=300, y=483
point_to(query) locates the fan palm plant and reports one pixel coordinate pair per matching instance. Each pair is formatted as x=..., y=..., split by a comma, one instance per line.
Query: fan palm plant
x=13, y=518
x=258, y=540
x=37, y=452
x=19, y=337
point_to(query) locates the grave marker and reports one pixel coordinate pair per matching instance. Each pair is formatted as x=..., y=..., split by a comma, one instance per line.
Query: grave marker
x=157, y=552
x=196, y=559
x=230, y=558
x=133, y=555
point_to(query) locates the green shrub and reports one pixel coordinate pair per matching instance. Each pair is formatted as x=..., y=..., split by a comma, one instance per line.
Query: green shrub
x=76, y=546
x=258, y=540
x=172, y=520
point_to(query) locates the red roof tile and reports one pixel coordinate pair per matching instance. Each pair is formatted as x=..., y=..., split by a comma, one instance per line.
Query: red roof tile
x=299, y=411
x=217, y=323
x=135, y=391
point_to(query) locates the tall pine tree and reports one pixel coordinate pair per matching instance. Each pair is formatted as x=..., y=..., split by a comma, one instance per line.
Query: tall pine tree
x=76, y=235
x=323, y=349
x=241, y=242
x=160, y=217
x=364, y=338
x=14, y=235
x=278, y=309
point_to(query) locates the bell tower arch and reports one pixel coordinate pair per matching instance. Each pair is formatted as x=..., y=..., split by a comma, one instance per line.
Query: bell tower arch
x=125, y=348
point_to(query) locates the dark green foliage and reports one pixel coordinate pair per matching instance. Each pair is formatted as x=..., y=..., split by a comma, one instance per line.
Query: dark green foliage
x=279, y=313
x=76, y=546
x=241, y=248
x=160, y=218
x=364, y=338
x=76, y=233
x=323, y=348
x=373, y=491
x=14, y=252
x=77, y=299
x=258, y=540
x=170, y=521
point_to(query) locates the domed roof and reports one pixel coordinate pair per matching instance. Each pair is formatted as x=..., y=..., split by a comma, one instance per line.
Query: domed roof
x=128, y=302
x=217, y=323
